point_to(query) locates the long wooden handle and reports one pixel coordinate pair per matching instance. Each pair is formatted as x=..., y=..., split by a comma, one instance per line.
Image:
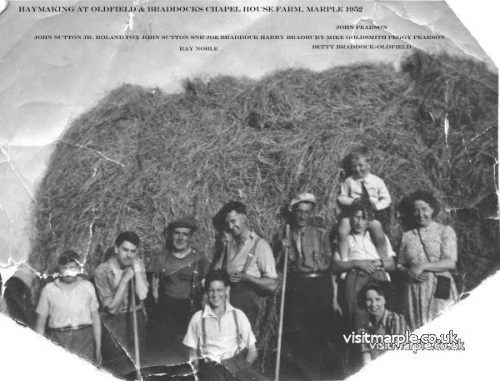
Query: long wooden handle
x=282, y=308
x=136, y=333
x=225, y=259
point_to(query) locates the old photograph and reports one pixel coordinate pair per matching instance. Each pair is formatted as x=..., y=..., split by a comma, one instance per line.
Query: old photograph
x=246, y=191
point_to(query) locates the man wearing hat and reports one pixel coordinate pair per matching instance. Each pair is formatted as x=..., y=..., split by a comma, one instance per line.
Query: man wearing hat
x=177, y=273
x=309, y=289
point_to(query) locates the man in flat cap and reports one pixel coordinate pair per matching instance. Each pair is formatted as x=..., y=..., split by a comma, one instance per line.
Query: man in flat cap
x=308, y=315
x=177, y=273
x=248, y=259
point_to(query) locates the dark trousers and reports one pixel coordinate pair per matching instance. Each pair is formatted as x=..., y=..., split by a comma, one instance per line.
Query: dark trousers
x=118, y=348
x=308, y=304
x=78, y=341
x=233, y=369
x=168, y=322
x=309, y=321
x=348, y=292
x=245, y=298
x=212, y=371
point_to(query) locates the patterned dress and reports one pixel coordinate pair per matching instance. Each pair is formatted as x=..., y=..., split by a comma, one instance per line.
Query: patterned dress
x=441, y=243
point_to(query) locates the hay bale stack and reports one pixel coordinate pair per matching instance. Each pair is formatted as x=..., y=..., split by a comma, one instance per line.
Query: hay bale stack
x=461, y=98
x=142, y=157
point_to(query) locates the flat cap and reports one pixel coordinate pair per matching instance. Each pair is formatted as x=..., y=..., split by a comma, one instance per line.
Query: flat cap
x=184, y=222
x=303, y=197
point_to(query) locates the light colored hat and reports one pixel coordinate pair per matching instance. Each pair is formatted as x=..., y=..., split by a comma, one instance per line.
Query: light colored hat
x=303, y=197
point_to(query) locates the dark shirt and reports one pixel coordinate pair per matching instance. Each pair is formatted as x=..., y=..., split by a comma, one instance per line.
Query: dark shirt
x=177, y=273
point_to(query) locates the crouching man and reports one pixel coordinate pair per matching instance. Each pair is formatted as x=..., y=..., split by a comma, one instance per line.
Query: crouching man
x=220, y=339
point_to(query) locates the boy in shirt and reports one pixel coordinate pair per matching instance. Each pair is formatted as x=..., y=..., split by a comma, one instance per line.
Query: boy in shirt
x=70, y=306
x=220, y=338
x=363, y=185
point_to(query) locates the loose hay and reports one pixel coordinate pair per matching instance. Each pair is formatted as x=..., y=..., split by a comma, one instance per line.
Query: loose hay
x=142, y=157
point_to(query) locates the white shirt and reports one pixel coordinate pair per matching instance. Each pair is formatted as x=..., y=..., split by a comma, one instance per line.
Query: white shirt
x=362, y=248
x=263, y=263
x=68, y=306
x=351, y=188
x=221, y=333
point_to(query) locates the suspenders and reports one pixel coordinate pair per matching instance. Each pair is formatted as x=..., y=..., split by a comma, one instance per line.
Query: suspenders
x=250, y=255
x=203, y=344
x=195, y=281
x=249, y=258
x=317, y=247
x=204, y=334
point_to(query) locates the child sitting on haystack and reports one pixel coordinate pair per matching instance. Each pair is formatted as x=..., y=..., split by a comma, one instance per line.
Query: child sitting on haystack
x=362, y=184
x=70, y=305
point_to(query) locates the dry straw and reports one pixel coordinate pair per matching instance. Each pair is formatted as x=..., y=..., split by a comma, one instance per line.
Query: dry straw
x=142, y=157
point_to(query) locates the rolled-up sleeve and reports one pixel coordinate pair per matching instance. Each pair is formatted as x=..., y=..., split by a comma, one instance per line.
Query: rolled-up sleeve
x=93, y=303
x=43, y=304
x=104, y=286
x=265, y=260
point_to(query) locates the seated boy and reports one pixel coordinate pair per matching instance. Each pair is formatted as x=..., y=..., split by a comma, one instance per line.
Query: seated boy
x=71, y=308
x=362, y=184
x=220, y=338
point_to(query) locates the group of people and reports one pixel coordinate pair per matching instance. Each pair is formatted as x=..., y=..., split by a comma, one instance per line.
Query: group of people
x=213, y=307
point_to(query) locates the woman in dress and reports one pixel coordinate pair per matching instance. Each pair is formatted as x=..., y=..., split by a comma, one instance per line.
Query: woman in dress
x=427, y=252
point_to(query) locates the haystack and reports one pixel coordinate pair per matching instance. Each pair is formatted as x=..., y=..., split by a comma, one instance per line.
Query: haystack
x=142, y=157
